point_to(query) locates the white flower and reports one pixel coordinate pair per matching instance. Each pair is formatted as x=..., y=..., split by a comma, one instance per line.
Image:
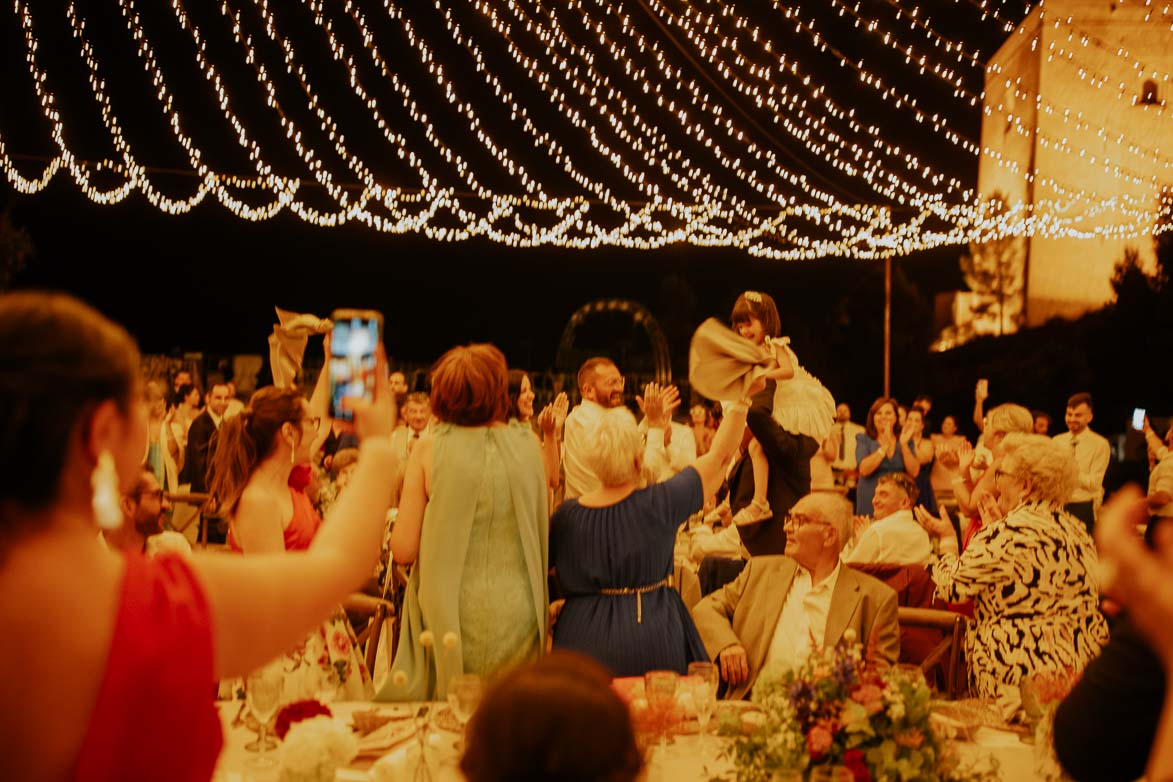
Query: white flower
x=849, y=635
x=399, y=679
x=427, y=639
x=317, y=746
x=450, y=640
x=896, y=710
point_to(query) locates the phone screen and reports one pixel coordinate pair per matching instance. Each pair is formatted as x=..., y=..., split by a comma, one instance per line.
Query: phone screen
x=352, y=362
x=1138, y=418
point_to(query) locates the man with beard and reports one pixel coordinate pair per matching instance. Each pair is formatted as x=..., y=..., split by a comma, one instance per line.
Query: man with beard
x=143, y=510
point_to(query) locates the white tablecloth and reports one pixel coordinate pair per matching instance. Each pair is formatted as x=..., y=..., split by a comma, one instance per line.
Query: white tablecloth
x=687, y=758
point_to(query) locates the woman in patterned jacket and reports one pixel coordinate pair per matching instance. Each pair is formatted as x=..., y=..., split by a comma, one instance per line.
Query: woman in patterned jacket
x=1030, y=574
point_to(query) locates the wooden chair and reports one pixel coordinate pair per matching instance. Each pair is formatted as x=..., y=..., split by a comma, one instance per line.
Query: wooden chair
x=949, y=653
x=376, y=611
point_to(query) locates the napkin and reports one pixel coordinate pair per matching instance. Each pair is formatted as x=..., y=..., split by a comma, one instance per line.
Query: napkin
x=287, y=343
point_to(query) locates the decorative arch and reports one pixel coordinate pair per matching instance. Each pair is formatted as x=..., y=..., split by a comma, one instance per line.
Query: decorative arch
x=570, y=357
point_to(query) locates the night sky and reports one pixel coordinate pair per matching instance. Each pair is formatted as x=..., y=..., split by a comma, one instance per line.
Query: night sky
x=207, y=281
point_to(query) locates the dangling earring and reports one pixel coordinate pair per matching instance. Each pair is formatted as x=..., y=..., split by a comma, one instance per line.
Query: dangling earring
x=292, y=453
x=104, y=481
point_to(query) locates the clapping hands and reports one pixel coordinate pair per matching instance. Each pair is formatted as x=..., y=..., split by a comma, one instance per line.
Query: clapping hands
x=553, y=416
x=936, y=526
x=658, y=403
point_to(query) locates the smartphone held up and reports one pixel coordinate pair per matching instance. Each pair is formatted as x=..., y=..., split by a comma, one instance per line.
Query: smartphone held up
x=353, y=349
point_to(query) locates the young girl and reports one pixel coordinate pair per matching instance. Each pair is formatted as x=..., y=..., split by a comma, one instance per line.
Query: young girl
x=801, y=404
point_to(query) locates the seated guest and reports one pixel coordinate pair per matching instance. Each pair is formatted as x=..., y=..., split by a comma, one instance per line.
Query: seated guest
x=779, y=605
x=1105, y=726
x=143, y=509
x=613, y=547
x=894, y=537
x=1030, y=575
x=118, y=654
x=557, y=720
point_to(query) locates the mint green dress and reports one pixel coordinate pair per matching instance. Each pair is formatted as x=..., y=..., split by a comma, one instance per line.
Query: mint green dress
x=481, y=572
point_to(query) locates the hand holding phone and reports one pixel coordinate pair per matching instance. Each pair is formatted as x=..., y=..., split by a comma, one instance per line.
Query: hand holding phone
x=352, y=362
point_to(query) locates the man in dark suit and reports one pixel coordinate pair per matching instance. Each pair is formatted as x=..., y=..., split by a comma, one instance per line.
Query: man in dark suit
x=200, y=440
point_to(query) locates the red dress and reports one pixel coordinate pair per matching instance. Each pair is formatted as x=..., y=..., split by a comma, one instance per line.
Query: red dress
x=155, y=717
x=301, y=529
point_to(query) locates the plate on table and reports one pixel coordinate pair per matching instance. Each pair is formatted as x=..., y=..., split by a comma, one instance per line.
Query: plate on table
x=443, y=719
x=386, y=737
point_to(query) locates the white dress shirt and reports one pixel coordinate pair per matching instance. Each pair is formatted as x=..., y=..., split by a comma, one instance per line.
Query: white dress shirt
x=802, y=625
x=1092, y=453
x=896, y=539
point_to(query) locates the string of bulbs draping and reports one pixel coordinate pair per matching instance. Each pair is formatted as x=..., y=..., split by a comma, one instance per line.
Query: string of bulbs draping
x=580, y=124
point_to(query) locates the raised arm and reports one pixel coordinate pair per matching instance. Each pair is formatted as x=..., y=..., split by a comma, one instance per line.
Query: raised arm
x=711, y=466
x=262, y=605
x=551, y=420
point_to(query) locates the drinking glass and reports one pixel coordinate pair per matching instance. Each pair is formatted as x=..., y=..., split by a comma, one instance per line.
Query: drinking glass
x=704, y=694
x=262, y=690
x=660, y=691
x=464, y=694
x=831, y=774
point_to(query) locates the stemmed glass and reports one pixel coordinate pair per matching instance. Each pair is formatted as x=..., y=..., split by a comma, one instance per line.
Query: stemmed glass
x=262, y=690
x=704, y=692
x=464, y=694
x=660, y=690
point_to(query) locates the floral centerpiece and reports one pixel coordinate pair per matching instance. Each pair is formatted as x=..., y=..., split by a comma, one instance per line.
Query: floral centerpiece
x=314, y=748
x=835, y=710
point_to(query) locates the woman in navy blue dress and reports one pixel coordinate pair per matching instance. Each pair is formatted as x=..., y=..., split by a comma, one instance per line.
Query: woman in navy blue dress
x=613, y=547
x=882, y=449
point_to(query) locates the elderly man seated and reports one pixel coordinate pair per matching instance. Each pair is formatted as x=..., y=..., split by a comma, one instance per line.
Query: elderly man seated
x=895, y=537
x=780, y=605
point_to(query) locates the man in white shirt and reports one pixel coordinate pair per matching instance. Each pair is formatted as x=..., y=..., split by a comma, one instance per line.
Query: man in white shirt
x=781, y=607
x=601, y=387
x=840, y=444
x=894, y=537
x=1092, y=453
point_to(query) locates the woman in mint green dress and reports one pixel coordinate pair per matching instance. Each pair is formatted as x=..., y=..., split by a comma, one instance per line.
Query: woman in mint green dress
x=473, y=520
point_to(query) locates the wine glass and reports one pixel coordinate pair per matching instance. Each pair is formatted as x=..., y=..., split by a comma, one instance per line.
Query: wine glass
x=704, y=693
x=660, y=691
x=464, y=694
x=262, y=690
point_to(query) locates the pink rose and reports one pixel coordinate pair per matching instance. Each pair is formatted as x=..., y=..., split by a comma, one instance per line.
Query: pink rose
x=340, y=642
x=870, y=696
x=818, y=741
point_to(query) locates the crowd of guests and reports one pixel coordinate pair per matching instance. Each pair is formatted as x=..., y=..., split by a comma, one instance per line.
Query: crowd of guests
x=518, y=531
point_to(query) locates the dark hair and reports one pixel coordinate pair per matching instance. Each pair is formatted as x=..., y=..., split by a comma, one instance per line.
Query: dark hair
x=515, y=377
x=1037, y=414
x=182, y=393
x=469, y=386
x=556, y=720
x=59, y=359
x=870, y=425
x=587, y=370
x=244, y=440
x=1082, y=398
x=753, y=304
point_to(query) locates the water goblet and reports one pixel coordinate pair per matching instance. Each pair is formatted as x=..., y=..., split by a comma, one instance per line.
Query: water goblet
x=262, y=690
x=464, y=695
x=660, y=690
x=705, y=678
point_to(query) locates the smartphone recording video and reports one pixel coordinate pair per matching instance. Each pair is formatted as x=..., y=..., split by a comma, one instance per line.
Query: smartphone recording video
x=1138, y=415
x=356, y=338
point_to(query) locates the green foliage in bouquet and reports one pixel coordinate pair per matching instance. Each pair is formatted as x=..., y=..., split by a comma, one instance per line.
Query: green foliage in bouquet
x=835, y=710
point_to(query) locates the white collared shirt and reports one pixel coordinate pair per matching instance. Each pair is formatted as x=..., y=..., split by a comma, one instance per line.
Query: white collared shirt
x=895, y=539
x=580, y=478
x=1092, y=453
x=802, y=625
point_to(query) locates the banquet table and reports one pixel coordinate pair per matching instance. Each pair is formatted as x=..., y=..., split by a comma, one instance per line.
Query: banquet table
x=687, y=758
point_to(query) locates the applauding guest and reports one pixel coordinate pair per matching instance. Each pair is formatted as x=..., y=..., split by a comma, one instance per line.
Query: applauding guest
x=118, y=654
x=473, y=518
x=1030, y=575
x=613, y=547
x=882, y=448
x=894, y=537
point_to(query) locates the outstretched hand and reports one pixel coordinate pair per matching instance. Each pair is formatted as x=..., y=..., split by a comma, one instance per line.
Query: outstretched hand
x=936, y=526
x=658, y=403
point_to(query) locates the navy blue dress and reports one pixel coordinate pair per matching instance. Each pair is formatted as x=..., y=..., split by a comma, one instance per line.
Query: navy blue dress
x=626, y=545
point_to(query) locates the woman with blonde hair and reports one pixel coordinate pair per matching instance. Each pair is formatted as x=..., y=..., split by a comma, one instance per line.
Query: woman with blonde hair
x=473, y=519
x=1030, y=575
x=110, y=659
x=975, y=495
x=613, y=547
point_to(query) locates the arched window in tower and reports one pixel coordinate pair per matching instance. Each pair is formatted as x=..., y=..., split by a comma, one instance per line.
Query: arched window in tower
x=1148, y=93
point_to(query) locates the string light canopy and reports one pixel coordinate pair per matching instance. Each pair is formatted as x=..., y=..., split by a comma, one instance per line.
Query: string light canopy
x=843, y=128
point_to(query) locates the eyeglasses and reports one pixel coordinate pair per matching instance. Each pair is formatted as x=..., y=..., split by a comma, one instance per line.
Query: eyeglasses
x=797, y=520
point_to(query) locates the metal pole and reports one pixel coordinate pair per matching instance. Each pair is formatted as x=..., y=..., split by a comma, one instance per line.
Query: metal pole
x=887, y=325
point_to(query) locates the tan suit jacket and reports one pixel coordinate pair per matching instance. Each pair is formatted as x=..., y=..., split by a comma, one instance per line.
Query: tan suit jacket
x=746, y=611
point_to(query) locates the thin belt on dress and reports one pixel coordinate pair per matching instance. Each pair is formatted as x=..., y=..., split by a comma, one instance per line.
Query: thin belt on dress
x=638, y=592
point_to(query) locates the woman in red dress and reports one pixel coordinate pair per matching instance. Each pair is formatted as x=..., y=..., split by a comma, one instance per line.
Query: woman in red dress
x=110, y=661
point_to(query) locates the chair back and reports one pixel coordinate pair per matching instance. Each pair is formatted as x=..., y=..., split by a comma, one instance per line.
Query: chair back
x=944, y=661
